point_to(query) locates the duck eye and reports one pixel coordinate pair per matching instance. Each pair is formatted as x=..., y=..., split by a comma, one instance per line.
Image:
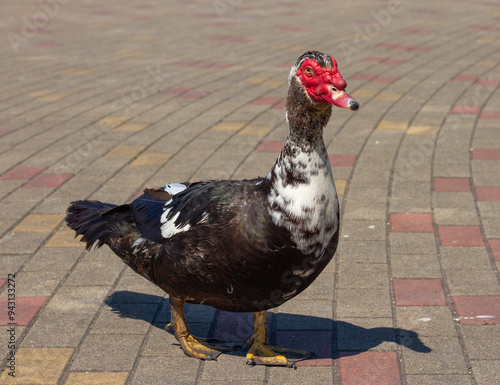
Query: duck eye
x=308, y=71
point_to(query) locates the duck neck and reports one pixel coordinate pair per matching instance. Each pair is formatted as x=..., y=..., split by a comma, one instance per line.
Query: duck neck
x=304, y=155
x=305, y=119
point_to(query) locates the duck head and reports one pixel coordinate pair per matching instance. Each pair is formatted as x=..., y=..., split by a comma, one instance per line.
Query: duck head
x=317, y=74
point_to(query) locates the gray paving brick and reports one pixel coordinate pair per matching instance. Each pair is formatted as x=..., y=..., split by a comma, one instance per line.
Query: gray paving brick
x=363, y=275
x=363, y=303
x=426, y=320
x=445, y=358
x=481, y=341
x=114, y=352
x=438, y=379
x=412, y=243
x=485, y=370
x=157, y=370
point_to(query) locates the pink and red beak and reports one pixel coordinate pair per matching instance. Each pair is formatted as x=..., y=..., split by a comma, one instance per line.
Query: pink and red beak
x=341, y=99
x=334, y=92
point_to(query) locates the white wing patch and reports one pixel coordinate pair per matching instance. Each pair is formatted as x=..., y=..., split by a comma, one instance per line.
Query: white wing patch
x=175, y=188
x=168, y=227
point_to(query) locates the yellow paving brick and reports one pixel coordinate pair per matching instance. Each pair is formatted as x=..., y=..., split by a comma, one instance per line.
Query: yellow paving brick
x=77, y=72
x=364, y=93
x=229, y=126
x=255, y=130
x=53, y=97
x=255, y=80
x=484, y=41
x=38, y=366
x=97, y=378
x=132, y=127
x=388, y=96
x=486, y=63
x=340, y=186
x=392, y=125
x=112, y=121
x=39, y=223
x=274, y=83
x=64, y=237
x=40, y=93
x=151, y=159
x=130, y=52
x=125, y=151
x=422, y=130
x=289, y=48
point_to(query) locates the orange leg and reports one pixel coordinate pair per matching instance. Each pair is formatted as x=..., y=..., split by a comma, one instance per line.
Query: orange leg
x=192, y=346
x=261, y=353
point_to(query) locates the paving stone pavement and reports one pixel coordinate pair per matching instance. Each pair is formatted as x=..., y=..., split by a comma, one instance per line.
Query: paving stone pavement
x=101, y=99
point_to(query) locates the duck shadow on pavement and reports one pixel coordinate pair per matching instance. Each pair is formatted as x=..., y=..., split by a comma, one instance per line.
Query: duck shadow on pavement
x=325, y=337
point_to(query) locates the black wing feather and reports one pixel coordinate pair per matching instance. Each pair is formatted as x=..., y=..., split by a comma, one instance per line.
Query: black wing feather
x=191, y=203
x=147, y=211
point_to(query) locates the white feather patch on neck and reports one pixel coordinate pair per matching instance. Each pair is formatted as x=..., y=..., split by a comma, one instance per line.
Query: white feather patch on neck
x=308, y=210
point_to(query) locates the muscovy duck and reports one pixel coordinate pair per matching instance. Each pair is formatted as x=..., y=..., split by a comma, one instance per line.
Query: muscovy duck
x=238, y=245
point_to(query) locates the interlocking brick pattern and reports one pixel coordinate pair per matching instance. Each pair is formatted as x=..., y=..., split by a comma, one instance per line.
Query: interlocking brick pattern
x=102, y=99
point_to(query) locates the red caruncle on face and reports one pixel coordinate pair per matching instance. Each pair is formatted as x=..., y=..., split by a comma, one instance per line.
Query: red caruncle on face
x=319, y=81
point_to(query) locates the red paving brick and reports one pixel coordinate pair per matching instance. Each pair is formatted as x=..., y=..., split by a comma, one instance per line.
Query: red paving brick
x=488, y=194
x=451, y=185
x=495, y=248
x=418, y=292
x=469, y=110
x=465, y=78
x=342, y=160
x=318, y=342
x=490, y=115
x=460, y=236
x=486, y=154
x=4, y=131
x=3, y=282
x=48, y=44
x=270, y=146
x=478, y=309
x=412, y=223
x=25, y=309
x=489, y=82
x=288, y=64
x=280, y=106
x=266, y=101
x=367, y=368
x=21, y=173
x=48, y=180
